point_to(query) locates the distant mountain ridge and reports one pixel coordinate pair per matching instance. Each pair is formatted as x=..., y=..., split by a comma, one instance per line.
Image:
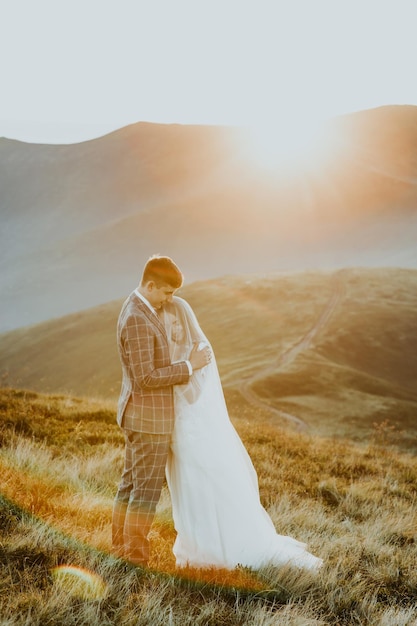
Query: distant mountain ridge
x=78, y=221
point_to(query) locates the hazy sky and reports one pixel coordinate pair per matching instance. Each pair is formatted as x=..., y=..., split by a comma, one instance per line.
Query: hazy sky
x=75, y=69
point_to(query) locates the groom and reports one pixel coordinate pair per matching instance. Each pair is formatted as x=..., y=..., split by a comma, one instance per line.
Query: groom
x=146, y=405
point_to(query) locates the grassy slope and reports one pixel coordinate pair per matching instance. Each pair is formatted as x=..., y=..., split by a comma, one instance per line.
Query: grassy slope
x=246, y=319
x=60, y=458
x=356, y=378
x=359, y=376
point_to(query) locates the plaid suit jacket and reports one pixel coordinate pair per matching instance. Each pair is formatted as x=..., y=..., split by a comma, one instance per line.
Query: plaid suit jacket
x=146, y=402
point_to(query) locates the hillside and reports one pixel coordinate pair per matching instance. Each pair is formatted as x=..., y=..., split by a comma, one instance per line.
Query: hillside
x=332, y=353
x=60, y=459
x=78, y=221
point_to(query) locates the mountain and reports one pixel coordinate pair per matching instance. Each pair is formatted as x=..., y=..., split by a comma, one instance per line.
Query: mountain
x=80, y=220
x=331, y=352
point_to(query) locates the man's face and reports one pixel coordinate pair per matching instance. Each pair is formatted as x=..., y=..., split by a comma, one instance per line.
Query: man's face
x=157, y=296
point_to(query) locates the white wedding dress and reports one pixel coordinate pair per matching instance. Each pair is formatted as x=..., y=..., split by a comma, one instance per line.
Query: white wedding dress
x=217, y=512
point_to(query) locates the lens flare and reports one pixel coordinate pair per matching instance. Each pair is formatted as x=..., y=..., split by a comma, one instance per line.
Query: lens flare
x=79, y=582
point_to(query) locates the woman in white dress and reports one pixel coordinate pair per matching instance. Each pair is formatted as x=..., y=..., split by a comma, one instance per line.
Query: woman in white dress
x=218, y=516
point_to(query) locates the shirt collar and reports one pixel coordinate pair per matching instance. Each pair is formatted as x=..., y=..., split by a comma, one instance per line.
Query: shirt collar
x=148, y=304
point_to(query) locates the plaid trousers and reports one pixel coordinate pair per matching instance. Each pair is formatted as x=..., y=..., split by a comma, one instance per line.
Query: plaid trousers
x=138, y=494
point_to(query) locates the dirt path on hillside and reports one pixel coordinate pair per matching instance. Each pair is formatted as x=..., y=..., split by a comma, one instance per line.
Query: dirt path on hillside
x=289, y=355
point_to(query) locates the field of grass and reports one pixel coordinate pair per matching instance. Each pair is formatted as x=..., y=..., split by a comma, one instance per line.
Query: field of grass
x=60, y=460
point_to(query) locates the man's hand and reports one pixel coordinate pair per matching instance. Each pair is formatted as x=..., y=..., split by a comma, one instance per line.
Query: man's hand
x=199, y=358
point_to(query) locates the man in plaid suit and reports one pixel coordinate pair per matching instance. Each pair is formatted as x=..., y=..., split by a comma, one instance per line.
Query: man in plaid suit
x=146, y=405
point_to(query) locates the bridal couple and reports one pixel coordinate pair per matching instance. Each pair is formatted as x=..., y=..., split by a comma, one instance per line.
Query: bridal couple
x=176, y=425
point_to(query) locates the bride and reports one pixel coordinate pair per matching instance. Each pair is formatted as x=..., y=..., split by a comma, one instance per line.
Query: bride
x=216, y=507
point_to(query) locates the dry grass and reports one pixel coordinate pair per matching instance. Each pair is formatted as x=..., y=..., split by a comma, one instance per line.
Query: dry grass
x=354, y=505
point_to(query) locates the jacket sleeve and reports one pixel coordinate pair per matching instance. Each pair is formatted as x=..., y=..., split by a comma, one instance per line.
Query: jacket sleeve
x=148, y=358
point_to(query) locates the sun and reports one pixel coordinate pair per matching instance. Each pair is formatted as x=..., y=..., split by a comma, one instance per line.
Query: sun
x=291, y=146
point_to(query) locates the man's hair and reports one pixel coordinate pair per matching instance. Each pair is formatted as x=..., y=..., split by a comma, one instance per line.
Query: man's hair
x=162, y=271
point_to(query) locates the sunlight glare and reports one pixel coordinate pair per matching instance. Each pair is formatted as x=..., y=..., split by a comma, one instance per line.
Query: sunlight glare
x=291, y=146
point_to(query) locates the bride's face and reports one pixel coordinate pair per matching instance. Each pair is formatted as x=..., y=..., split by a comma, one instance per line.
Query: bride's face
x=177, y=331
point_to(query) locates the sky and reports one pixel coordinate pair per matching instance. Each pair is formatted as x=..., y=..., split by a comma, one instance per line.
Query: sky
x=72, y=70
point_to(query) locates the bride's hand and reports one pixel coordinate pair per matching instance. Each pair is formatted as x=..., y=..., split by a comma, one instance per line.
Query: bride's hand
x=199, y=358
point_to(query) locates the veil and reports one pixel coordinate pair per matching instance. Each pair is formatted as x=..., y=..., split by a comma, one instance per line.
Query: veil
x=184, y=332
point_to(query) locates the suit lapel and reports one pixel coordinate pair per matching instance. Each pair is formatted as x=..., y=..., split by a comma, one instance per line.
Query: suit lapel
x=157, y=321
x=152, y=317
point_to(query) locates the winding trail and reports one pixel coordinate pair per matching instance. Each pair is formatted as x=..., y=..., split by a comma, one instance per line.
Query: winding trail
x=289, y=355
